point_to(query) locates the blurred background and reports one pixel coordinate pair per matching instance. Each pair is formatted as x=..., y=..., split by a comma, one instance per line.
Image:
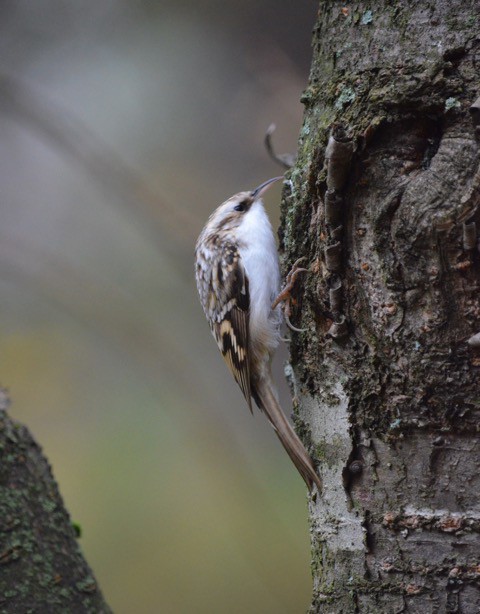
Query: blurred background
x=123, y=124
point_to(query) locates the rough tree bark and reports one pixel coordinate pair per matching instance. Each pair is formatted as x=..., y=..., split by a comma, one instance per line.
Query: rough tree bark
x=386, y=380
x=41, y=566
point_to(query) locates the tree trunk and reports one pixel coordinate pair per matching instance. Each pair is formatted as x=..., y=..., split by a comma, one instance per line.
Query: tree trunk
x=385, y=380
x=41, y=566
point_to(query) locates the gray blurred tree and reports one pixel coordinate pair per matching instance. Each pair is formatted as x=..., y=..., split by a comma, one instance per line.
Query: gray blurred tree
x=42, y=567
x=385, y=380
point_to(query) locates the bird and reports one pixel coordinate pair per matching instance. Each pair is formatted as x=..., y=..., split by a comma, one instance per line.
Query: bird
x=238, y=280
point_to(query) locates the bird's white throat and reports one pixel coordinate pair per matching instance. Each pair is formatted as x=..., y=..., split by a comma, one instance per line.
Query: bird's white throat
x=259, y=255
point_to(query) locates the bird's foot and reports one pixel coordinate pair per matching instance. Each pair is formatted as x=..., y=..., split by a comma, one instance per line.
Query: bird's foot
x=285, y=296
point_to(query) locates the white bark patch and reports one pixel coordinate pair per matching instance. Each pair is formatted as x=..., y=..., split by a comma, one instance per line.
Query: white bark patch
x=333, y=520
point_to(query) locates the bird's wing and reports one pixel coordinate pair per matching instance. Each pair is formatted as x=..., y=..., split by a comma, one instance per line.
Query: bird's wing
x=230, y=302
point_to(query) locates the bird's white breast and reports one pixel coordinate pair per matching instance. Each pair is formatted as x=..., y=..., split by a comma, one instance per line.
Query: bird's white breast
x=259, y=256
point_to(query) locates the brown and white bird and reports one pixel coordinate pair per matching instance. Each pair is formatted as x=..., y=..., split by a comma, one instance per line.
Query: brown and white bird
x=238, y=279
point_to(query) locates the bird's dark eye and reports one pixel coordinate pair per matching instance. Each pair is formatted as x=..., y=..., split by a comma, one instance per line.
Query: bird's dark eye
x=241, y=206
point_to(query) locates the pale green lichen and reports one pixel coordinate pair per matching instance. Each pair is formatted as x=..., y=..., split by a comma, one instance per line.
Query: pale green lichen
x=346, y=97
x=305, y=131
x=452, y=103
x=367, y=18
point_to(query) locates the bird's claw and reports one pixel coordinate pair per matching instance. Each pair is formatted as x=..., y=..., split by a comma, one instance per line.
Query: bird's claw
x=292, y=327
x=285, y=295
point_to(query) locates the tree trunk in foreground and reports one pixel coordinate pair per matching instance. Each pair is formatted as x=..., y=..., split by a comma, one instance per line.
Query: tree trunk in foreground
x=41, y=567
x=386, y=378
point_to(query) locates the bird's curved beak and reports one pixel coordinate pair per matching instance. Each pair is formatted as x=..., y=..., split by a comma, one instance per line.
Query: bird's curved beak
x=263, y=187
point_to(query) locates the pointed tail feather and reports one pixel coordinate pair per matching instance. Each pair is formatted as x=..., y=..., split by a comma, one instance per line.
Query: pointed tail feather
x=289, y=439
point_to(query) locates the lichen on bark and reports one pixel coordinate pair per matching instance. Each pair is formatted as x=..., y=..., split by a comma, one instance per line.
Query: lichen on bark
x=390, y=410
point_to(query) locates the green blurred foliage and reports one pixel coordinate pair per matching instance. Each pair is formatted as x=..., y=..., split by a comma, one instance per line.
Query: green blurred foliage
x=123, y=124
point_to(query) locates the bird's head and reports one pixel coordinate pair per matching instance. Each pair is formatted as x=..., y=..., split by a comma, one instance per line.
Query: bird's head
x=230, y=213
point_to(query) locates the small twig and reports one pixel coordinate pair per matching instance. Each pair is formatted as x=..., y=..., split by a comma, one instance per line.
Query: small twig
x=286, y=160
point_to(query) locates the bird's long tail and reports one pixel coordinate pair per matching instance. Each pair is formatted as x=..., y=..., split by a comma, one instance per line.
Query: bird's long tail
x=289, y=439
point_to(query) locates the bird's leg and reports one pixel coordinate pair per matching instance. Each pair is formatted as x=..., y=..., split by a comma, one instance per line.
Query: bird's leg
x=289, y=283
x=285, y=295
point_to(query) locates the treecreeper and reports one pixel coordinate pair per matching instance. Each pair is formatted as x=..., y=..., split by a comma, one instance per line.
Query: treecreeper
x=238, y=281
